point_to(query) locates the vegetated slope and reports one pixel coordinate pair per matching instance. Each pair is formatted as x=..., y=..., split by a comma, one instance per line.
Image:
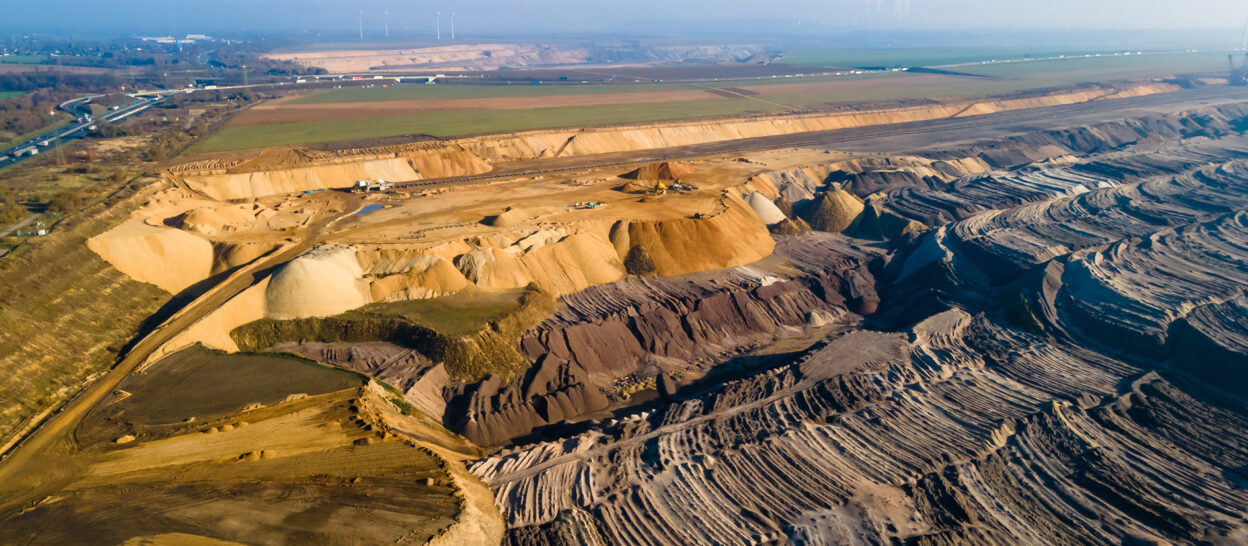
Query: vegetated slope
x=1031, y=378
x=64, y=315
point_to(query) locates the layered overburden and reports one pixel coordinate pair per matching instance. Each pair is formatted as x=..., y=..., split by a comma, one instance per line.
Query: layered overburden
x=1025, y=326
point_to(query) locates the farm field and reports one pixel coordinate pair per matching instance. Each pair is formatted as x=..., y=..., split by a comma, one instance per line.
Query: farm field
x=23, y=59
x=466, y=122
x=11, y=94
x=457, y=110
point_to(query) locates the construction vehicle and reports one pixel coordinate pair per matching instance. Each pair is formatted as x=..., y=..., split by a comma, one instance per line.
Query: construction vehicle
x=1238, y=76
x=681, y=186
x=660, y=188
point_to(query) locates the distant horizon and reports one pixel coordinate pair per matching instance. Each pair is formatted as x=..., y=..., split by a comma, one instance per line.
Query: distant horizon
x=554, y=18
x=1219, y=39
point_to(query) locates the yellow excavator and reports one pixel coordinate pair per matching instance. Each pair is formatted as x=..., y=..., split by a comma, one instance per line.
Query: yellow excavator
x=660, y=188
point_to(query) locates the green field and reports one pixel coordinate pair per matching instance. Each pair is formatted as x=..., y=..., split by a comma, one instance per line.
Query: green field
x=1105, y=68
x=467, y=122
x=897, y=57
x=24, y=59
x=11, y=94
x=453, y=91
x=998, y=78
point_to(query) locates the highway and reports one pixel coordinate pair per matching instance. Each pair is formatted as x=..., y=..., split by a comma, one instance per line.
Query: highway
x=83, y=125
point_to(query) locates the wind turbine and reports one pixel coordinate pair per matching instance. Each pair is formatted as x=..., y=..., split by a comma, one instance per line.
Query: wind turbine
x=438, y=18
x=1244, y=42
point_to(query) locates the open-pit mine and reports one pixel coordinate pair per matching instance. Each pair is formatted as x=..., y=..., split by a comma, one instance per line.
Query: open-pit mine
x=1011, y=320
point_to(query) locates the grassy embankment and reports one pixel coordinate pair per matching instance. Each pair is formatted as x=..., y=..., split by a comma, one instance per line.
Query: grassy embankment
x=65, y=313
x=474, y=335
x=1001, y=78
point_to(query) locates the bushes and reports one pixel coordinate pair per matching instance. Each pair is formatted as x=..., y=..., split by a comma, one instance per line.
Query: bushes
x=639, y=262
x=490, y=350
x=10, y=210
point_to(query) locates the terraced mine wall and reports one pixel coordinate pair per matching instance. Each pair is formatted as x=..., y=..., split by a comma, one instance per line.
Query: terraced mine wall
x=1050, y=364
x=664, y=325
x=608, y=329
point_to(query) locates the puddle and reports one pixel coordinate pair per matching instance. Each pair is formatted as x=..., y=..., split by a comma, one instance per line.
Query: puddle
x=367, y=209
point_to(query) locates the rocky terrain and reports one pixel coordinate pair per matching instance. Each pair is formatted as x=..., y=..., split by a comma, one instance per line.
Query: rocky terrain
x=903, y=326
x=1057, y=362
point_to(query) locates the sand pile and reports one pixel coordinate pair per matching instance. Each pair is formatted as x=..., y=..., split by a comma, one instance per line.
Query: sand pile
x=442, y=163
x=213, y=220
x=667, y=170
x=323, y=282
x=835, y=211
x=574, y=263
x=428, y=277
x=881, y=224
x=230, y=255
x=637, y=186
x=733, y=237
x=166, y=257
x=510, y=217
x=766, y=209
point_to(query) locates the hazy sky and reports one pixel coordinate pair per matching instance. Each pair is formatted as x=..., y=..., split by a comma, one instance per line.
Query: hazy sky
x=641, y=16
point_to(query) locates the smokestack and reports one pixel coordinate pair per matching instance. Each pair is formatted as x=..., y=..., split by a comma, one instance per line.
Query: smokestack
x=438, y=18
x=361, y=24
x=452, y=25
x=387, y=24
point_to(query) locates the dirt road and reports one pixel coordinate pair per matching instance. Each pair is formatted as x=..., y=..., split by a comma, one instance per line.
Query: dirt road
x=30, y=470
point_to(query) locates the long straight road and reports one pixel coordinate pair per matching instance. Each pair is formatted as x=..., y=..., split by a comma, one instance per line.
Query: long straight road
x=79, y=128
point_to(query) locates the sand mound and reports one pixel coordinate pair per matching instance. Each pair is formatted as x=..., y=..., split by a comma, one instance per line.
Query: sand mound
x=766, y=209
x=429, y=277
x=575, y=263
x=881, y=225
x=789, y=227
x=212, y=220
x=795, y=193
x=835, y=211
x=230, y=255
x=509, y=218
x=667, y=170
x=323, y=282
x=733, y=237
x=442, y=163
x=636, y=186
x=166, y=257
